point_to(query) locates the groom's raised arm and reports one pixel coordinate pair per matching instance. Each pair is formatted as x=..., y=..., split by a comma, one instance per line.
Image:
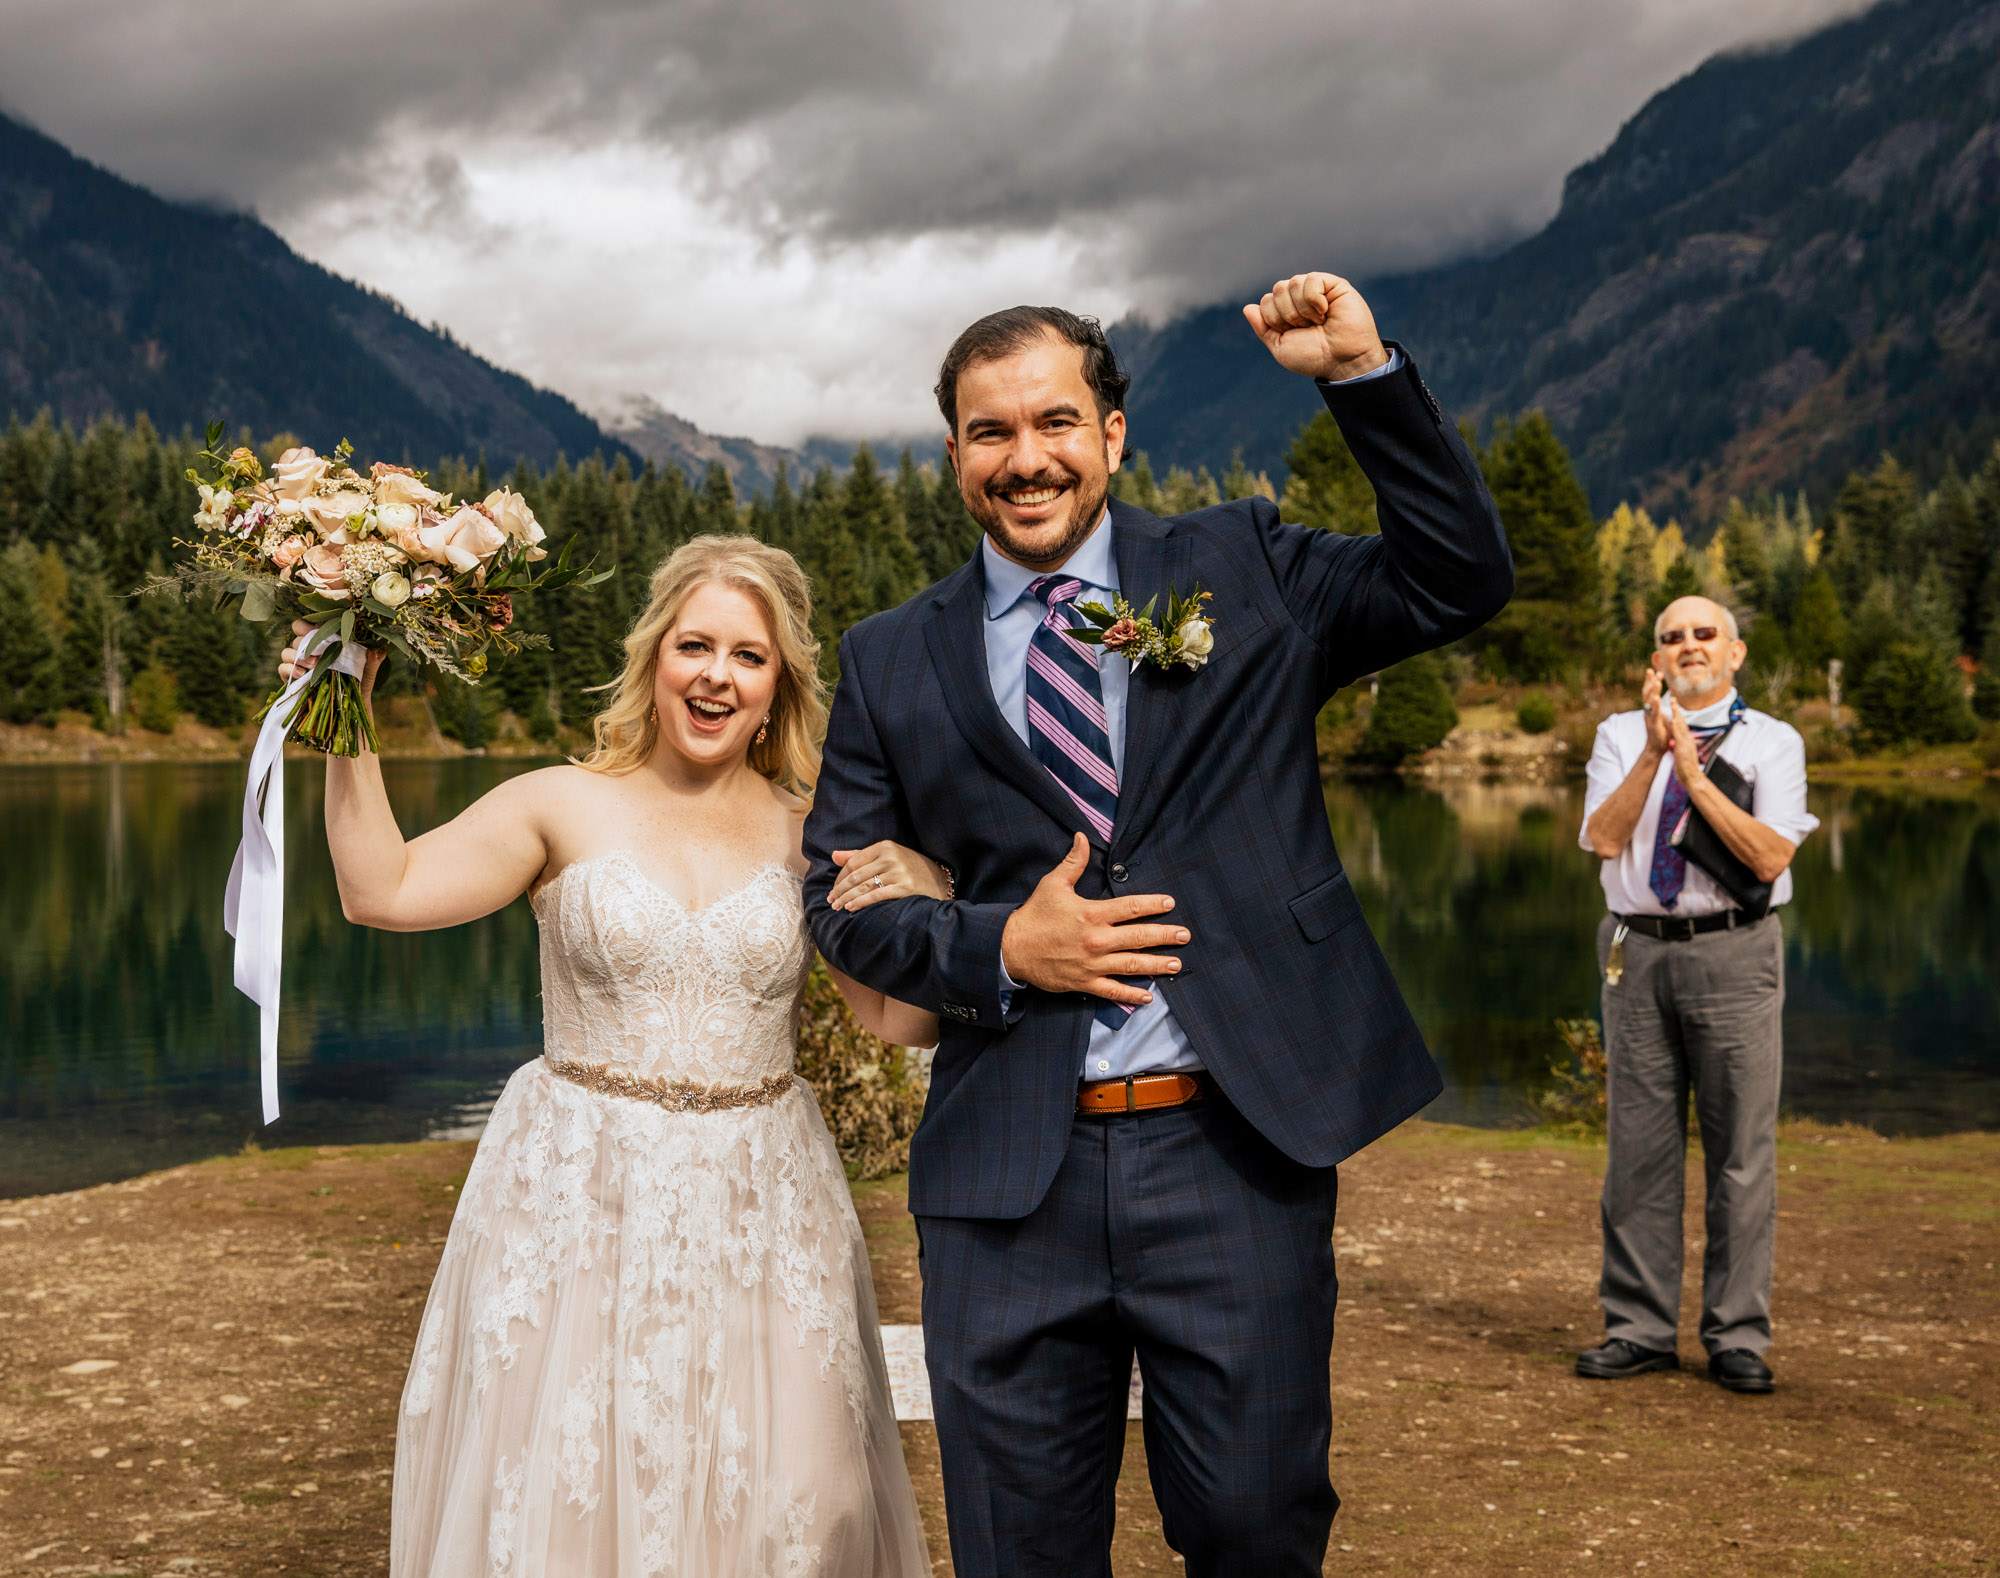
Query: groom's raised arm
x=1440, y=569
x=937, y=955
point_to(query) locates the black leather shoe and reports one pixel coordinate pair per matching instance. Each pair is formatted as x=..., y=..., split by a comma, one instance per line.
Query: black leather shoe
x=1740, y=1370
x=1619, y=1358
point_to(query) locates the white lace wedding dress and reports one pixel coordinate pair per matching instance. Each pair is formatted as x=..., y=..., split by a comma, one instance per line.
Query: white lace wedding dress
x=651, y=1347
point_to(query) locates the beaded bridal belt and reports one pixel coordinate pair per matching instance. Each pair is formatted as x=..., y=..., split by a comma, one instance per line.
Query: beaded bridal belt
x=676, y=1095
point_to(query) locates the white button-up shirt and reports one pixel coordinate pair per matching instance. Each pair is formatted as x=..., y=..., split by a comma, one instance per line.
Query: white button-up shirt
x=1767, y=752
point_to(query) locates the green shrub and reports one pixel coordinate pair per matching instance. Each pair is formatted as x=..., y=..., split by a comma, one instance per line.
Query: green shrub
x=1536, y=714
x=1413, y=712
x=1575, y=1102
x=870, y=1093
x=156, y=699
x=1913, y=691
x=542, y=722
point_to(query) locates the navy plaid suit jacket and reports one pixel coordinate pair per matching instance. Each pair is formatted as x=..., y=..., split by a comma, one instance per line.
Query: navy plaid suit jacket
x=1284, y=993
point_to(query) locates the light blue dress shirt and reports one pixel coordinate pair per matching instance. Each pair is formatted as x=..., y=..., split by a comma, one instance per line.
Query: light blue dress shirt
x=1151, y=1041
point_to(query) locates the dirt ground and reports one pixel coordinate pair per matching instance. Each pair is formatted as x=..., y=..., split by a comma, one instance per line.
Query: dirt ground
x=199, y=1369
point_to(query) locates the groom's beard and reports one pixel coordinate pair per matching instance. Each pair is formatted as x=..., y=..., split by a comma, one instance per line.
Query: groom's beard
x=1086, y=509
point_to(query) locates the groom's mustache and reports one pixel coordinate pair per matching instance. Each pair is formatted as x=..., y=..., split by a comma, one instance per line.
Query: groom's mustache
x=1014, y=482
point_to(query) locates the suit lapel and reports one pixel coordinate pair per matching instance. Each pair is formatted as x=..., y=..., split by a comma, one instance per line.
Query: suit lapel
x=1152, y=557
x=956, y=635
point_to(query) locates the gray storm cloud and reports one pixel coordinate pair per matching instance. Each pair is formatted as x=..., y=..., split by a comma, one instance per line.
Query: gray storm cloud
x=1183, y=144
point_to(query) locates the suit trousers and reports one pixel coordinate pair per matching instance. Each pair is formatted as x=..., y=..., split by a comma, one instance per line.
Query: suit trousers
x=1182, y=1234
x=1702, y=1015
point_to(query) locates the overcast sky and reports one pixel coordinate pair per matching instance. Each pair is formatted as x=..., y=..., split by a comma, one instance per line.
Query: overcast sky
x=772, y=215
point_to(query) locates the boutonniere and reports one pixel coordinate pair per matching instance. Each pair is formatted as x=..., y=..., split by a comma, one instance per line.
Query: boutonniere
x=1186, y=636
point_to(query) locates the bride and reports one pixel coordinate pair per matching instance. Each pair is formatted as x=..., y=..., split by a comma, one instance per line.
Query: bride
x=651, y=1347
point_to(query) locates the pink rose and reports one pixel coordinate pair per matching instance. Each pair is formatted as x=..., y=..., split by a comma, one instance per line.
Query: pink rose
x=468, y=539
x=402, y=525
x=288, y=552
x=1120, y=636
x=325, y=571
x=298, y=472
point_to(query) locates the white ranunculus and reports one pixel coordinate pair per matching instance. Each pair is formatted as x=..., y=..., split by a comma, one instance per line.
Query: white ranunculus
x=1197, y=641
x=391, y=589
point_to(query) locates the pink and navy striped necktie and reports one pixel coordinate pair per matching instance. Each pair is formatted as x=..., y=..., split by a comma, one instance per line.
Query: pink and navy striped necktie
x=1067, y=729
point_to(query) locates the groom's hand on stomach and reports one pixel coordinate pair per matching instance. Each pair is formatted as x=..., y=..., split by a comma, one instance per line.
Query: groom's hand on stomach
x=1063, y=943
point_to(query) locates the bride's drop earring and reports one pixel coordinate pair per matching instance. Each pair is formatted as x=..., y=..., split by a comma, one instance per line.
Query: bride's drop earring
x=763, y=729
x=653, y=717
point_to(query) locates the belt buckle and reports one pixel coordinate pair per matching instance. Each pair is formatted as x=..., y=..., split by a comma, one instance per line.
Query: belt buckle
x=1686, y=923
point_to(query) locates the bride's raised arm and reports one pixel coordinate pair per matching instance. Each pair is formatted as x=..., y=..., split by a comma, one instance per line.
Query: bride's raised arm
x=480, y=861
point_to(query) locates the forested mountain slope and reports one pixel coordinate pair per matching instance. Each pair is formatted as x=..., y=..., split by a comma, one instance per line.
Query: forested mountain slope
x=115, y=302
x=1784, y=264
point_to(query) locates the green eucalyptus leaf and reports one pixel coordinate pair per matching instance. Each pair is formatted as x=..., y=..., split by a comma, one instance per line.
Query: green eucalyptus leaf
x=259, y=602
x=347, y=627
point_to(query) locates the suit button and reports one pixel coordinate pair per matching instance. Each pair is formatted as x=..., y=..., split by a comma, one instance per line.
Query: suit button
x=1118, y=872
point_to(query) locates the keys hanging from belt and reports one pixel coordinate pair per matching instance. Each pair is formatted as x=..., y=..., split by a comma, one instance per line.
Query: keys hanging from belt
x=1614, y=966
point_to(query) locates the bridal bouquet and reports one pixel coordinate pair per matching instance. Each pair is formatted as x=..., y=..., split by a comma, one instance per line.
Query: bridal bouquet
x=371, y=559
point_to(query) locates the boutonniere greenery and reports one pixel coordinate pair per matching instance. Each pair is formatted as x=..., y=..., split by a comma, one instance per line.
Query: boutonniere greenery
x=1186, y=636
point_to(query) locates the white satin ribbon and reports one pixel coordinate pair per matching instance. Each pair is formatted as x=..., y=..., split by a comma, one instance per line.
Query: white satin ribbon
x=253, y=908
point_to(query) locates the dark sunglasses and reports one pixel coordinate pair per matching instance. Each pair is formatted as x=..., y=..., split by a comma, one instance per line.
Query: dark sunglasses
x=1673, y=638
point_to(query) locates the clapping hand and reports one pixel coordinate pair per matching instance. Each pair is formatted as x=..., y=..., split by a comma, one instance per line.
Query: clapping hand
x=1659, y=719
x=1318, y=325
x=1687, y=760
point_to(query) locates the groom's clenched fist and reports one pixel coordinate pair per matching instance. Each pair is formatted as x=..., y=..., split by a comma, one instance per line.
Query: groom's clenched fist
x=1318, y=325
x=1063, y=943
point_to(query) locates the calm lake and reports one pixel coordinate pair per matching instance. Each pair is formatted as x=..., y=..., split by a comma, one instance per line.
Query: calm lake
x=124, y=1046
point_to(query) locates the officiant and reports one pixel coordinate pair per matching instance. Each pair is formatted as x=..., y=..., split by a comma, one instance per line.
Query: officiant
x=1696, y=803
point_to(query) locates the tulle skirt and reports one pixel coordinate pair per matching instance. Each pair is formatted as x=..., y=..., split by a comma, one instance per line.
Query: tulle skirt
x=651, y=1348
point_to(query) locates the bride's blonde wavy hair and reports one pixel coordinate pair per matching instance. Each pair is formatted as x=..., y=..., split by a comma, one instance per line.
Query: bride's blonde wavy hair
x=789, y=755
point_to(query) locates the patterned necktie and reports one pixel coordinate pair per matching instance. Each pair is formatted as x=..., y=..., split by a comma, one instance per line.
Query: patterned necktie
x=1067, y=729
x=1669, y=872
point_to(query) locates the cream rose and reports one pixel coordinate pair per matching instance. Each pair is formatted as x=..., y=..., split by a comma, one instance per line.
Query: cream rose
x=399, y=487
x=468, y=539
x=511, y=514
x=1197, y=641
x=331, y=512
x=298, y=472
x=391, y=589
x=325, y=571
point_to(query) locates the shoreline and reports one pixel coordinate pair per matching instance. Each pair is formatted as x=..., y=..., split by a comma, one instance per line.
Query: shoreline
x=203, y=1365
x=1862, y=772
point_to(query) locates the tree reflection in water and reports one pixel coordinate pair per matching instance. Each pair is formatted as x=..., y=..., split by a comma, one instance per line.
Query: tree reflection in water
x=1488, y=911
x=124, y=1046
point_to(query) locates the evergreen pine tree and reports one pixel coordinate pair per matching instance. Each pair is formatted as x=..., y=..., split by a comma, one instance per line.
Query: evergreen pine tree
x=1327, y=487
x=1413, y=712
x=715, y=509
x=30, y=655
x=1553, y=619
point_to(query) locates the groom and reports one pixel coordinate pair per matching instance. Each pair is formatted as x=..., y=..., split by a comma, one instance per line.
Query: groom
x=1164, y=1019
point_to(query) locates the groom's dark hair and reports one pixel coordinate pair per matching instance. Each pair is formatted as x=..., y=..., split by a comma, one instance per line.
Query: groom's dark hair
x=1005, y=333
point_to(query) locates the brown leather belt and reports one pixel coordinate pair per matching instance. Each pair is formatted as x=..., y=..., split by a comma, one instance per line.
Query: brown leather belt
x=1141, y=1092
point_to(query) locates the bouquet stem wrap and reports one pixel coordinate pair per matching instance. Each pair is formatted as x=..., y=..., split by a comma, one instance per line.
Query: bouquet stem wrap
x=253, y=909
